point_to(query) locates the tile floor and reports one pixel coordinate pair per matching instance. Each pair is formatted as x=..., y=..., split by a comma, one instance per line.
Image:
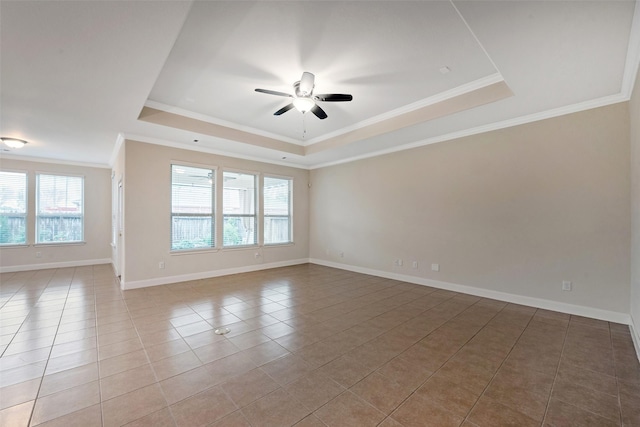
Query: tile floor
x=308, y=346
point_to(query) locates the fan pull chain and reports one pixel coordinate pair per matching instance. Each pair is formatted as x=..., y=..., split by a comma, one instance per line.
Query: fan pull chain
x=304, y=126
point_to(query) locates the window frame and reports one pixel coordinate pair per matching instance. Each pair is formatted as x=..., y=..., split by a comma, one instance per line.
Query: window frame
x=38, y=215
x=289, y=214
x=255, y=215
x=24, y=215
x=213, y=215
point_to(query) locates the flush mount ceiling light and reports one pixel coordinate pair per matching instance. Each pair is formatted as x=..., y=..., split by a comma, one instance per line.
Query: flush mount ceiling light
x=13, y=142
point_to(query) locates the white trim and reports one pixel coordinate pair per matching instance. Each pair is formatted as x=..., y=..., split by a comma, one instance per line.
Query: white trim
x=136, y=284
x=633, y=54
x=635, y=335
x=495, y=66
x=116, y=148
x=595, y=313
x=543, y=115
x=406, y=109
x=203, y=149
x=53, y=161
x=209, y=119
x=46, y=266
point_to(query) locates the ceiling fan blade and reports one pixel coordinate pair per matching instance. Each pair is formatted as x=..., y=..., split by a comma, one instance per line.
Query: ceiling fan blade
x=333, y=97
x=306, y=83
x=283, y=110
x=319, y=112
x=274, y=92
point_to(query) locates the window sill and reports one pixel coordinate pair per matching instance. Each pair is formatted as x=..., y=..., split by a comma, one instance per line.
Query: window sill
x=14, y=246
x=193, y=251
x=278, y=245
x=59, y=244
x=240, y=247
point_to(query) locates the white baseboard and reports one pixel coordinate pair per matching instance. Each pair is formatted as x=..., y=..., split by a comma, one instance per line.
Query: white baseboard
x=579, y=310
x=136, y=284
x=48, y=265
x=635, y=334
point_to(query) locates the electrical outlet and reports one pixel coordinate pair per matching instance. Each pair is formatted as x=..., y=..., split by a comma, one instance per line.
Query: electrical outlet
x=161, y=265
x=566, y=285
x=414, y=264
x=435, y=267
x=38, y=254
x=341, y=254
x=257, y=255
x=398, y=263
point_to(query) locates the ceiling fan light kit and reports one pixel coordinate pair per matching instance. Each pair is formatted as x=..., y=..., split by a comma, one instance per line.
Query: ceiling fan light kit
x=304, y=100
x=303, y=104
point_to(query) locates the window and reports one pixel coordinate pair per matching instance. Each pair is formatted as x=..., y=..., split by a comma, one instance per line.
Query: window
x=239, y=209
x=13, y=208
x=192, y=207
x=59, y=209
x=277, y=210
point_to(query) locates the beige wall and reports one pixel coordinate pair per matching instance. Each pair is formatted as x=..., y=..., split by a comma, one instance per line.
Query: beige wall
x=147, y=218
x=97, y=204
x=634, y=114
x=517, y=210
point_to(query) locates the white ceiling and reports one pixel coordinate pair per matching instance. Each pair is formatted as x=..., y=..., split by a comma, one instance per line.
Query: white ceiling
x=75, y=76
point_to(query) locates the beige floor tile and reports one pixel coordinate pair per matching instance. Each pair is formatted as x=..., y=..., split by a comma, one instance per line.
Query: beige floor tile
x=599, y=403
x=21, y=374
x=124, y=382
x=161, y=418
x=560, y=413
x=348, y=406
x=62, y=363
x=314, y=390
x=174, y=365
x=166, y=349
x=421, y=354
x=266, y=352
x=286, y=369
x=19, y=393
x=215, y=351
x=65, y=402
x=275, y=410
x=17, y=415
x=187, y=384
x=133, y=405
x=488, y=412
x=202, y=409
x=249, y=387
x=87, y=417
x=70, y=378
x=381, y=392
x=122, y=363
x=248, y=339
x=235, y=419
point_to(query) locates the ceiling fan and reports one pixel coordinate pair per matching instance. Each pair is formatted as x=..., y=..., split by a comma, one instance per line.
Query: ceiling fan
x=304, y=100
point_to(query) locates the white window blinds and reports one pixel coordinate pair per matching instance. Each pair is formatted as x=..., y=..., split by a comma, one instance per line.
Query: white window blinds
x=59, y=209
x=277, y=210
x=239, y=209
x=192, y=207
x=13, y=208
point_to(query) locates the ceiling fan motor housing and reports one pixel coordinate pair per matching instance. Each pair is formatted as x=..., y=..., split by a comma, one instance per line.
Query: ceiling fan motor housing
x=304, y=87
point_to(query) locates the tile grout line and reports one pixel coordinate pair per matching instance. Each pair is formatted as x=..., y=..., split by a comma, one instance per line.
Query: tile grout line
x=615, y=372
x=466, y=418
x=146, y=354
x=450, y=357
x=555, y=377
x=44, y=370
x=26, y=317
